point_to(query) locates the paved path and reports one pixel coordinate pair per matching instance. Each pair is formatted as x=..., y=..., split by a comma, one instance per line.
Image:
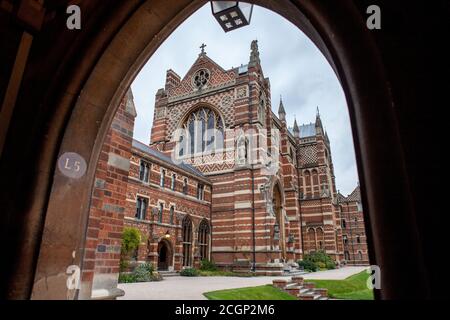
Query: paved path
x=192, y=288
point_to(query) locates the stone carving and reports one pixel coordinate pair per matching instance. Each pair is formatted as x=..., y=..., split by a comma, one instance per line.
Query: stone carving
x=160, y=113
x=242, y=151
x=226, y=102
x=241, y=92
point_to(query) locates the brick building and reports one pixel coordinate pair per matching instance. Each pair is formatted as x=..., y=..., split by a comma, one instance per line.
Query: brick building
x=223, y=178
x=353, y=232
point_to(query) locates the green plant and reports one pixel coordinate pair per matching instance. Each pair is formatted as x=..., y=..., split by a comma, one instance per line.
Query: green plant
x=189, y=272
x=207, y=265
x=131, y=237
x=330, y=265
x=307, y=265
x=127, y=278
x=320, y=259
x=143, y=272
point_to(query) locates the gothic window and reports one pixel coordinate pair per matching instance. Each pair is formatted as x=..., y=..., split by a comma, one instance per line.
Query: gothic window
x=141, y=208
x=312, y=239
x=160, y=212
x=203, y=239
x=358, y=239
x=187, y=241
x=200, y=191
x=163, y=177
x=346, y=255
x=344, y=225
x=172, y=213
x=344, y=237
x=203, y=132
x=185, y=186
x=201, y=78
x=262, y=109
x=172, y=185
x=320, y=238
x=144, y=171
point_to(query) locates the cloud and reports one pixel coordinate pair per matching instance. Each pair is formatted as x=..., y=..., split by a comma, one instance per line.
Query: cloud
x=297, y=70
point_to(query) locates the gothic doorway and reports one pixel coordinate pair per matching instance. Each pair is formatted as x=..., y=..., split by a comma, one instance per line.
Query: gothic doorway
x=279, y=229
x=164, y=255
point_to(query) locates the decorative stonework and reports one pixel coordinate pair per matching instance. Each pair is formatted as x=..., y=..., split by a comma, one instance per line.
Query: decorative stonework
x=201, y=78
x=226, y=102
x=160, y=113
x=242, y=92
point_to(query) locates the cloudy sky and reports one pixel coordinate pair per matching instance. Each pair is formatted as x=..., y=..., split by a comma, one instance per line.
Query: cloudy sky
x=296, y=68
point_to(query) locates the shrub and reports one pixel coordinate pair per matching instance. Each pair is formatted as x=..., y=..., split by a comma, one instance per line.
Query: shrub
x=207, y=265
x=320, y=259
x=307, y=265
x=189, y=272
x=131, y=237
x=143, y=272
x=126, y=278
x=320, y=265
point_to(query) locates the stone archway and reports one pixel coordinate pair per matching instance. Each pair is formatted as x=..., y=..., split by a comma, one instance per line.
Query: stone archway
x=95, y=72
x=165, y=255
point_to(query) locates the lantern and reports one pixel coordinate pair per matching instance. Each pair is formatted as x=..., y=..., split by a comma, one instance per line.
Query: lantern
x=232, y=14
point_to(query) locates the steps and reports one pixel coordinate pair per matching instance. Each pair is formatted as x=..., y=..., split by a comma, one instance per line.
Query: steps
x=168, y=273
x=300, y=289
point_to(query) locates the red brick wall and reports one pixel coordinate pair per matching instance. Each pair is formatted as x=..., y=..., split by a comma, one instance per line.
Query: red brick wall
x=108, y=202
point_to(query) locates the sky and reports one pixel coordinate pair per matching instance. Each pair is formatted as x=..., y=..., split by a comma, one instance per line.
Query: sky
x=296, y=68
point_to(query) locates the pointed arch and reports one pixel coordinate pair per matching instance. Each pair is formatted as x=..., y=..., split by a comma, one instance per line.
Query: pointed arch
x=204, y=232
x=187, y=236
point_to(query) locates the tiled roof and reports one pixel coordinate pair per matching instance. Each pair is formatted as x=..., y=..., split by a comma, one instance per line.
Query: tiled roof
x=354, y=196
x=155, y=153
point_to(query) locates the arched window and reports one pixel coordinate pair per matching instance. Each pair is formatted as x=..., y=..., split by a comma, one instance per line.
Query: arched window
x=172, y=212
x=262, y=109
x=203, y=240
x=320, y=238
x=187, y=241
x=202, y=132
x=312, y=239
x=315, y=178
x=160, y=212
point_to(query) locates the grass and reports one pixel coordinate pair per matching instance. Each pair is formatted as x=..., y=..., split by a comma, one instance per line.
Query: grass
x=351, y=288
x=222, y=273
x=266, y=292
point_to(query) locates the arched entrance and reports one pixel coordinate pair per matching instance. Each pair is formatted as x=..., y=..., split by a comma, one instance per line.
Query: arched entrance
x=82, y=108
x=280, y=221
x=165, y=255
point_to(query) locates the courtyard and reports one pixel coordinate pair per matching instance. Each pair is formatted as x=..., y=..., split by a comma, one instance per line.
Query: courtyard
x=192, y=288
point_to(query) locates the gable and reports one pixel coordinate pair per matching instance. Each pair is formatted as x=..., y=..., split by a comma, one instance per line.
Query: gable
x=218, y=78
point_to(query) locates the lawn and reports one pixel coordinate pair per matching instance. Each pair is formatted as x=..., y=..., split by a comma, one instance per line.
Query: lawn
x=352, y=288
x=266, y=292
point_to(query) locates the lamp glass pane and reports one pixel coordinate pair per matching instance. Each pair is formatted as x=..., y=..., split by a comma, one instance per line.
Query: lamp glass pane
x=246, y=9
x=219, y=6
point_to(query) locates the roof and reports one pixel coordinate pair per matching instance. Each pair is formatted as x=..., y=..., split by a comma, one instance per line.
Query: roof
x=307, y=130
x=160, y=156
x=355, y=196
